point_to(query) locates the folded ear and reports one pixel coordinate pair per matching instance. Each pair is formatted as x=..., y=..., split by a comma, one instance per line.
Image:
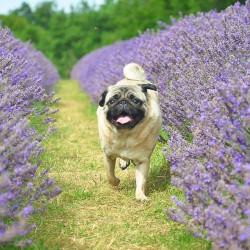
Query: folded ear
x=102, y=101
x=147, y=86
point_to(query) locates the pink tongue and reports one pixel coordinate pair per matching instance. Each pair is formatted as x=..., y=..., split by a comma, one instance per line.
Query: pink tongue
x=123, y=119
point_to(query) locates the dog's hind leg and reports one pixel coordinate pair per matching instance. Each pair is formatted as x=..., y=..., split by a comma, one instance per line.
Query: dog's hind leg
x=109, y=164
x=123, y=164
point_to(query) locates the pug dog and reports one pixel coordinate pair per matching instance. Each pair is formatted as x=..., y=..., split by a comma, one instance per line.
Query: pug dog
x=129, y=120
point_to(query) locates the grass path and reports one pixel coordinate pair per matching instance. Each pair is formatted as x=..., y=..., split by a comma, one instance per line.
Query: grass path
x=90, y=214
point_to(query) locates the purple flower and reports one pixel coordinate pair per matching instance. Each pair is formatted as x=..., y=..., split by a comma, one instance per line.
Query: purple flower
x=27, y=210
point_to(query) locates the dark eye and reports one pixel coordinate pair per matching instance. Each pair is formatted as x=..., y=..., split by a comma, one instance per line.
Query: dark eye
x=111, y=101
x=136, y=101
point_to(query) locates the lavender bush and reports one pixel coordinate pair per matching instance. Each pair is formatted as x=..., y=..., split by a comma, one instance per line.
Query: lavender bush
x=216, y=167
x=201, y=65
x=23, y=188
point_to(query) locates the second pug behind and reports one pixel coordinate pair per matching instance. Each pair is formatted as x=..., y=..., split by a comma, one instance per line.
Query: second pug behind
x=129, y=120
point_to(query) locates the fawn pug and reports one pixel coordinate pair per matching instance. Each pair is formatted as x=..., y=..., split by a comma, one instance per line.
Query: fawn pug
x=129, y=120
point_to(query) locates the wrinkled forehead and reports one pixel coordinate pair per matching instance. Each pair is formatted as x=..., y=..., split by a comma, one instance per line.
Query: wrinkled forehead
x=125, y=90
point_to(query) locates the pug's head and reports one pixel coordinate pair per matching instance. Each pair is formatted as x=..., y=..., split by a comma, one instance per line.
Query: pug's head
x=125, y=105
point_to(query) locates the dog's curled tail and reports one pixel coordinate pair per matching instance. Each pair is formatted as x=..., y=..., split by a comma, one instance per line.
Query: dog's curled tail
x=133, y=71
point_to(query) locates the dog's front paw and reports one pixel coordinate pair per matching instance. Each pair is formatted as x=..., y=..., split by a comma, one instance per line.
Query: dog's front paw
x=114, y=181
x=141, y=197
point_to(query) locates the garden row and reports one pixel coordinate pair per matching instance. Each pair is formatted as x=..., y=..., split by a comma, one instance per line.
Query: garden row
x=201, y=65
x=26, y=77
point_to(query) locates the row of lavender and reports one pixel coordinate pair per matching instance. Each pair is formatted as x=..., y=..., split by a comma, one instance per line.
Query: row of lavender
x=202, y=67
x=26, y=76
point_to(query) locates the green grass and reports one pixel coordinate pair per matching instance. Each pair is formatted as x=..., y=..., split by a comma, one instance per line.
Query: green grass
x=89, y=213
